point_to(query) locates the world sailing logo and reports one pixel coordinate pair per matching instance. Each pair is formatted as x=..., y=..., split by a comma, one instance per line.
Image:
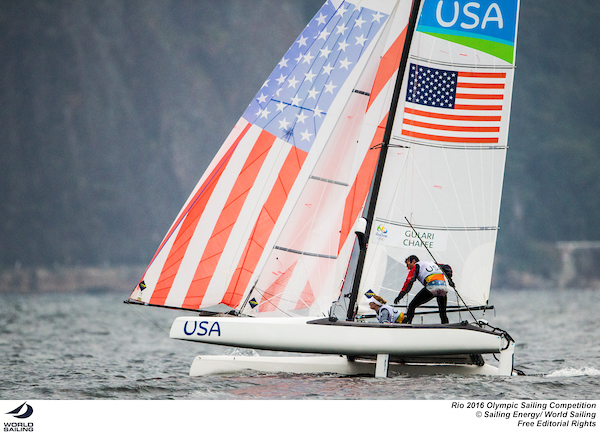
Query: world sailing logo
x=17, y=411
x=486, y=25
x=23, y=411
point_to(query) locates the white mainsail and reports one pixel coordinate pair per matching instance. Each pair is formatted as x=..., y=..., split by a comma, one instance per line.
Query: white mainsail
x=270, y=222
x=445, y=165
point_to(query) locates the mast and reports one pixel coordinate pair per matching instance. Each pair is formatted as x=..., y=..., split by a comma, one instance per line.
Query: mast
x=382, y=156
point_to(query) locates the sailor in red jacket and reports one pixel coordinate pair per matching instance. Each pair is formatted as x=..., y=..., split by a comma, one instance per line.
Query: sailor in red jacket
x=434, y=285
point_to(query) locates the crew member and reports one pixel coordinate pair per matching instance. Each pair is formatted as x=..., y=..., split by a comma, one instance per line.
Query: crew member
x=434, y=285
x=385, y=313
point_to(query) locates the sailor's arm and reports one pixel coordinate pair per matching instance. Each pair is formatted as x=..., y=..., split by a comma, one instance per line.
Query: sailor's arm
x=410, y=279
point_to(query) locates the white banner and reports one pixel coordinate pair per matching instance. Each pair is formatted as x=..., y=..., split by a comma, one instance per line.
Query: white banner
x=278, y=415
x=406, y=238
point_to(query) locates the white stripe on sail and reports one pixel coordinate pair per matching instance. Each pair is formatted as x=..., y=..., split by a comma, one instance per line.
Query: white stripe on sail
x=229, y=141
x=154, y=270
x=244, y=225
x=209, y=218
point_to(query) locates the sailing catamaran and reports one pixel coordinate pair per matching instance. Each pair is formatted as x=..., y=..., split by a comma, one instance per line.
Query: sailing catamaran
x=382, y=133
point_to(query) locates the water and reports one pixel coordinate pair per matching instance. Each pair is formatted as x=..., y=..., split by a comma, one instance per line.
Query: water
x=88, y=347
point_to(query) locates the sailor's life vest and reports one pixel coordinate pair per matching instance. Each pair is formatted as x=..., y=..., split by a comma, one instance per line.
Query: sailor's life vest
x=429, y=272
x=395, y=316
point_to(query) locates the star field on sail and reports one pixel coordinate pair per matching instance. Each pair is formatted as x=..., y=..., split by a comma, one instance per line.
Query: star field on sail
x=295, y=99
x=226, y=231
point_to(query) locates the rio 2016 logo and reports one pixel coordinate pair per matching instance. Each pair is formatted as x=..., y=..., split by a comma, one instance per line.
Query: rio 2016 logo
x=381, y=232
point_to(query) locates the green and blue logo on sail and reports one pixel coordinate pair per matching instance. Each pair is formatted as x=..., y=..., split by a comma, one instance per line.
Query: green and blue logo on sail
x=486, y=25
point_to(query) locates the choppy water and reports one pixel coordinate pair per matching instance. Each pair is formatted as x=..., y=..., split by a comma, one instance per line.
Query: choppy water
x=83, y=347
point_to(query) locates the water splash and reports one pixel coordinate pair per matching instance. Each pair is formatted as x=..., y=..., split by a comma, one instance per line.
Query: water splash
x=243, y=352
x=572, y=372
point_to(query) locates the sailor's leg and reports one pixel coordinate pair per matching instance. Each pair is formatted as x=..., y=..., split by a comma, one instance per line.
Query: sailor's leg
x=422, y=297
x=442, y=301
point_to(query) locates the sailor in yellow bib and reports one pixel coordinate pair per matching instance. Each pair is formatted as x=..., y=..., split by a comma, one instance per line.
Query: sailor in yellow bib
x=434, y=285
x=385, y=313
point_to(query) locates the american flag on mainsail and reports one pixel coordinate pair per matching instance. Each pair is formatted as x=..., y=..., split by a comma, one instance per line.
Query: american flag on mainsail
x=453, y=106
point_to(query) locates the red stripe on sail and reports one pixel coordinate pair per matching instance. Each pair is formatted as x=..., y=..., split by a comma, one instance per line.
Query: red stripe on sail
x=198, y=194
x=451, y=128
x=452, y=116
x=480, y=85
x=227, y=219
x=483, y=74
x=307, y=298
x=272, y=295
x=388, y=66
x=478, y=107
x=479, y=96
x=450, y=139
x=189, y=220
x=358, y=194
x=264, y=226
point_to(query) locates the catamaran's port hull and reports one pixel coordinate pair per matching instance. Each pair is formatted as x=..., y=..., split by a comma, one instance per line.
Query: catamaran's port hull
x=224, y=364
x=302, y=335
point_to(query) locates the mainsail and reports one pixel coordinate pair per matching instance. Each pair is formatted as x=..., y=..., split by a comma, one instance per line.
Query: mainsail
x=445, y=162
x=269, y=228
x=269, y=225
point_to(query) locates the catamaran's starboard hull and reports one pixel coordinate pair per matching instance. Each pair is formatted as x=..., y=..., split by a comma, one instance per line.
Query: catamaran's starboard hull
x=223, y=364
x=353, y=339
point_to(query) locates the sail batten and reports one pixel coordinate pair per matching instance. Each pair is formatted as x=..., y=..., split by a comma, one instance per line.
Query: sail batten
x=437, y=227
x=307, y=253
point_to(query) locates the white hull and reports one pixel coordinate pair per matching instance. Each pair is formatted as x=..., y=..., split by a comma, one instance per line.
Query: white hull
x=223, y=364
x=303, y=335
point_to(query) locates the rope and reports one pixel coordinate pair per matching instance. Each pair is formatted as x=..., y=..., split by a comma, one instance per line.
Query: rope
x=187, y=346
x=448, y=276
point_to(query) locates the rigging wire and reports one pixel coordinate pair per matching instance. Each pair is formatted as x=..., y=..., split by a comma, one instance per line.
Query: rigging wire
x=447, y=275
x=187, y=346
x=376, y=183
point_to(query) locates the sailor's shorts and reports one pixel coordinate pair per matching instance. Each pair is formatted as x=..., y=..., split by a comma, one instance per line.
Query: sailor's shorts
x=437, y=288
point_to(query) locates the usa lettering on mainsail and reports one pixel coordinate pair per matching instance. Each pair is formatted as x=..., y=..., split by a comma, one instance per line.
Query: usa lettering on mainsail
x=470, y=17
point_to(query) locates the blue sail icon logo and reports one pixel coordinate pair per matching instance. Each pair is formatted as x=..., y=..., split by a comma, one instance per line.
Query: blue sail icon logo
x=24, y=415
